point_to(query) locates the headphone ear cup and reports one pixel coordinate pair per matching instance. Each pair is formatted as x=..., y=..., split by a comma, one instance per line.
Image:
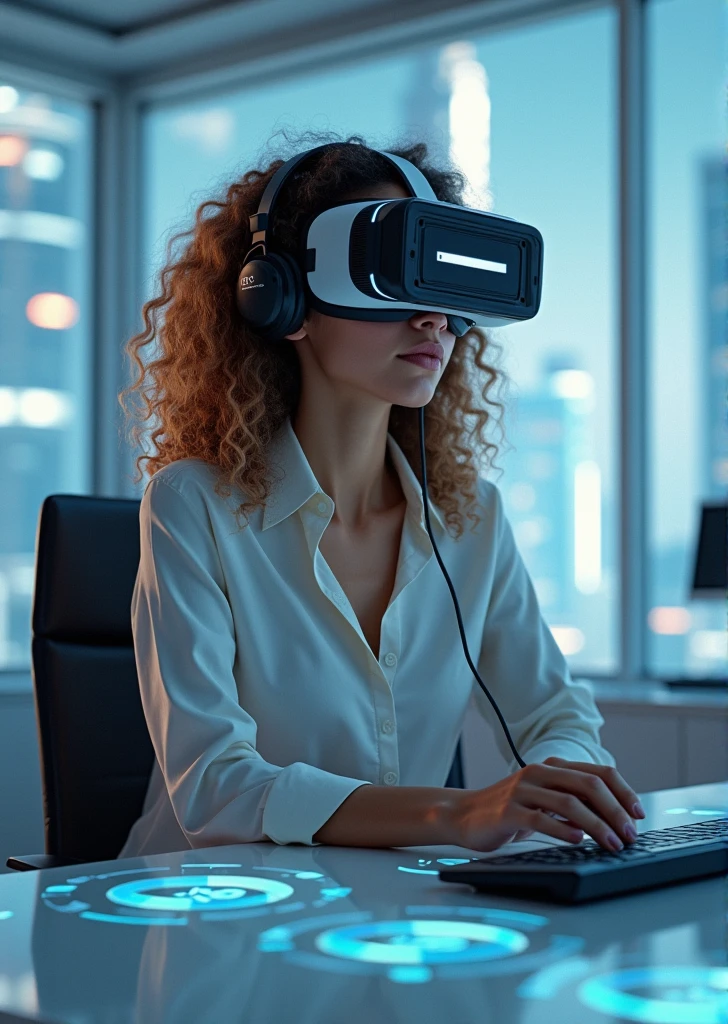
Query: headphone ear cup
x=270, y=295
x=258, y=292
x=293, y=306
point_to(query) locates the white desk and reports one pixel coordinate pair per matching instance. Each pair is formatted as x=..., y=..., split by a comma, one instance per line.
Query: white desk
x=261, y=933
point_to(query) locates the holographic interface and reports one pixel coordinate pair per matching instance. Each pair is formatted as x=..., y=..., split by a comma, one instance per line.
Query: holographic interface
x=422, y=944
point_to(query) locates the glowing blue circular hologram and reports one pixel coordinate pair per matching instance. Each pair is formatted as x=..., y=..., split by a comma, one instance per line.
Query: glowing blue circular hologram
x=431, y=942
x=215, y=897
x=410, y=975
x=698, y=811
x=421, y=942
x=447, y=861
x=200, y=892
x=691, y=995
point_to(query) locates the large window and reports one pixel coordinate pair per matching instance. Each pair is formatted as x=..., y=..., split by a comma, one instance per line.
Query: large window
x=688, y=301
x=529, y=116
x=45, y=356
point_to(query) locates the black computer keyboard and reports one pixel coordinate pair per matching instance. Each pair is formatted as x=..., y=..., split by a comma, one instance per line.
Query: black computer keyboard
x=575, y=874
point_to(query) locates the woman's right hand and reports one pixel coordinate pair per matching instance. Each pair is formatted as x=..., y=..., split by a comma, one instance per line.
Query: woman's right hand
x=590, y=797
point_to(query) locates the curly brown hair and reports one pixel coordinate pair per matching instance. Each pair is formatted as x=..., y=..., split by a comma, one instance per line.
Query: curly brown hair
x=219, y=393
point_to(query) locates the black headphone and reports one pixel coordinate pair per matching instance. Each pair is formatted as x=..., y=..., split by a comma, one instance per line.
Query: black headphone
x=276, y=305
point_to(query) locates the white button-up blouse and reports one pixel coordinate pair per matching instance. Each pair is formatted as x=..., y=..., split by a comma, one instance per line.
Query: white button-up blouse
x=265, y=704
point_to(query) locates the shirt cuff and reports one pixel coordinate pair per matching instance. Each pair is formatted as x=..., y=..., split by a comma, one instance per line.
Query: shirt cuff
x=301, y=800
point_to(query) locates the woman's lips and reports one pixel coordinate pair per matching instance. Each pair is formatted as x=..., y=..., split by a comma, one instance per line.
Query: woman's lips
x=427, y=362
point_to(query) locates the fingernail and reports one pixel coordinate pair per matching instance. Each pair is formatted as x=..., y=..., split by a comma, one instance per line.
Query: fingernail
x=630, y=832
x=638, y=810
x=615, y=842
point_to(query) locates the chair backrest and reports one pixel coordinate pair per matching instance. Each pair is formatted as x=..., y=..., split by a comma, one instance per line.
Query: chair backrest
x=95, y=751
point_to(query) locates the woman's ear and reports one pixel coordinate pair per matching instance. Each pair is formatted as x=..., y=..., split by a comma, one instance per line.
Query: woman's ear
x=302, y=331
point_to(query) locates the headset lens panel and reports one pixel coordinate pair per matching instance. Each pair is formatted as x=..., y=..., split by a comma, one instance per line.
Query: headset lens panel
x=422, y=251
x=471, y=263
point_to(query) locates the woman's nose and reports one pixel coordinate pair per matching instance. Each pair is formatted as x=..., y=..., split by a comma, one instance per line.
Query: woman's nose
x=438, y=320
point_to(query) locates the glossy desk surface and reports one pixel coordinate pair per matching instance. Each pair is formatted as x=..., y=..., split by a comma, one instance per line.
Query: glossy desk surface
x=266, y=933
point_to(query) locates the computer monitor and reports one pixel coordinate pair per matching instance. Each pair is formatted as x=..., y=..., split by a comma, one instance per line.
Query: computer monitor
x=710, y=578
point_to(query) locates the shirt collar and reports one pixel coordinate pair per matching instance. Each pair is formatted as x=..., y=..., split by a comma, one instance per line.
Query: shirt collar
x=294, y=483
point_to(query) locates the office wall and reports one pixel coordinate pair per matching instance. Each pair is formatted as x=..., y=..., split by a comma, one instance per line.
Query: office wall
x=681, y=742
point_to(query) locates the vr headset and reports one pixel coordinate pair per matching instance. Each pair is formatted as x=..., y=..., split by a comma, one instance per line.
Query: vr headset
x=388, y=259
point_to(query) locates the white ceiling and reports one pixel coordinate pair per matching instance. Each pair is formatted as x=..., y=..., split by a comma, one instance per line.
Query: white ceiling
x=121, y=18
x=157, y=39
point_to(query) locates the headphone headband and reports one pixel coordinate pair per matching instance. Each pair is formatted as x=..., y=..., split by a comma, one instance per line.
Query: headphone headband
x=259, y=222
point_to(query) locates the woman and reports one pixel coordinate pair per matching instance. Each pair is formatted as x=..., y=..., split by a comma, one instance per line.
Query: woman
x=302, y=676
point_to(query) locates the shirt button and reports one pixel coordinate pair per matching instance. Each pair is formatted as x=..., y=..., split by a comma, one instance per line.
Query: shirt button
x=387, y=726
x=390, y=778
x=390, y=659
x=322, y=507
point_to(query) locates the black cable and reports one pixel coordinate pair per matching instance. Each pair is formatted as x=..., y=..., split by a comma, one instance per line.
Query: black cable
x=452, y=591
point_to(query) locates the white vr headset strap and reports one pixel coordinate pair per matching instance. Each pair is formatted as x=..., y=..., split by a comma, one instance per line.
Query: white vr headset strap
x=417, y=181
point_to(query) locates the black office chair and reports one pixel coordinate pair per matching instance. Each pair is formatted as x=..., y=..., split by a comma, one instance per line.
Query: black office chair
x=95, y=751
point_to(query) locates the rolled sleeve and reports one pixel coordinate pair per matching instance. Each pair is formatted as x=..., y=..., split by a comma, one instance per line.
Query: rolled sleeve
x=221, y=790
x=301, y=800
x=547, y=713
